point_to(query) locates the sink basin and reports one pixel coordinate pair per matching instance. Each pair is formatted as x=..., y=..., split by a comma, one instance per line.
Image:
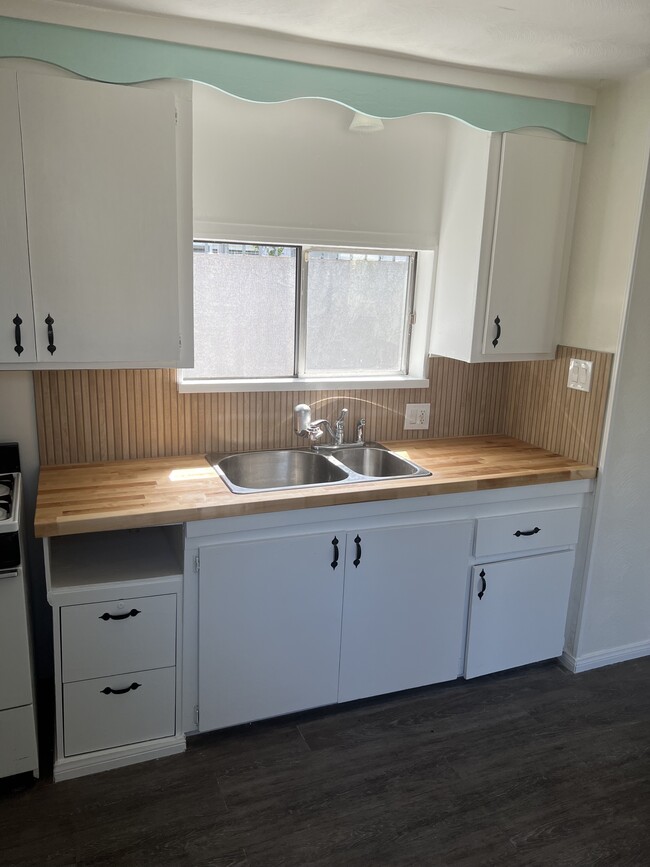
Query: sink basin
x=272, y=470
x=282, y=469
x=377, y=463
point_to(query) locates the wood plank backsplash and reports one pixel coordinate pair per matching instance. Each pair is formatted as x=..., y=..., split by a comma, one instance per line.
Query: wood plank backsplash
x=104, y=415
x=540, y=409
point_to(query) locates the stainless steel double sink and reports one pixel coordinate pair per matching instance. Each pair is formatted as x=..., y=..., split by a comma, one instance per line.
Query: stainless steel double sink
x=283, y=469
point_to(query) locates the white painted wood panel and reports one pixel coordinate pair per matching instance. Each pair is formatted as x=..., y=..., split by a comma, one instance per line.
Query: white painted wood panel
x=19, y=753
x=527, y=531
x=404, y=608
x=95, y=720
x=530, y=234
x=269, y=628
x=100, y=186
x=15, y=282
x=520, y=615
x=104, y=638
x=15, y=670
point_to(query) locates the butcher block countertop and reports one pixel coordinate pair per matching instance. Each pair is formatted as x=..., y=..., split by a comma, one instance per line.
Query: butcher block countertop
x=117, y=495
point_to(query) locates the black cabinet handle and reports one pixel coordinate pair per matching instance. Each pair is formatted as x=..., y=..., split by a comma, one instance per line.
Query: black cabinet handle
x=106, y=616
x=357, y=542
x=335, y=545
x=497, y=322
x=17, y=323
x=108, y=690
x=51, y=348
x=481, y=592
x=527, y=532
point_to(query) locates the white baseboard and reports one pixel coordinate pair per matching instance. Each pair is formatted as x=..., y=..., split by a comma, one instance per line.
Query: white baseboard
x=600, y=658
x=118, y=757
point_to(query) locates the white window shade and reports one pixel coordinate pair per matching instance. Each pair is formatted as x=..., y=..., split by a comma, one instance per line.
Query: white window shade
x=294, y=173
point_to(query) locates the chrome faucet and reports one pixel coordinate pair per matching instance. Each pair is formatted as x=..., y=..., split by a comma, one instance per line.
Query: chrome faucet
x=305, y=427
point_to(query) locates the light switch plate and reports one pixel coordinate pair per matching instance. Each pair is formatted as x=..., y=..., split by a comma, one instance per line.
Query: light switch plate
x=416, y=416
x=580, y=374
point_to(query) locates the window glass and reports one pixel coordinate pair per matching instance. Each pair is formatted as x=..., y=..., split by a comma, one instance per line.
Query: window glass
x=244, y=310
x=356, y=317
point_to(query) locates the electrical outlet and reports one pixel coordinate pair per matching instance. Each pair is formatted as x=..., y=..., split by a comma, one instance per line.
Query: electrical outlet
x=416, y=416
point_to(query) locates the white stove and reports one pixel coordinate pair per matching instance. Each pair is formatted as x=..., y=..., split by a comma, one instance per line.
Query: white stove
x=18, y=748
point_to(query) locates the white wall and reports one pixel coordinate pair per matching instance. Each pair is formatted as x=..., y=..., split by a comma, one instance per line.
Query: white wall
x=609, y=201
x=616, y=611
x=294, y=172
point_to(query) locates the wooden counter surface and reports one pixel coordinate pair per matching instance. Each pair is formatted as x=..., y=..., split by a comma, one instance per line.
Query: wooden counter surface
x=115, y=495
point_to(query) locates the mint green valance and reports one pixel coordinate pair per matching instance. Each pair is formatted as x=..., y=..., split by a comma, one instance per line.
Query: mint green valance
x=121, y=59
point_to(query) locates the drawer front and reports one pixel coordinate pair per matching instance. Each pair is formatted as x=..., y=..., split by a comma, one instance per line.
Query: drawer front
x=106, y=638
x=18, y=751
x=527, y=531
x=114, y=711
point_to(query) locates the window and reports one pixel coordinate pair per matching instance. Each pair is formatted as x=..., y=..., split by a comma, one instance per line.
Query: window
x=269, y=315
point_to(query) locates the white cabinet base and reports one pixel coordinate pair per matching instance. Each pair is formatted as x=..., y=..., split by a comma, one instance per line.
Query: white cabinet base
x=117, y=757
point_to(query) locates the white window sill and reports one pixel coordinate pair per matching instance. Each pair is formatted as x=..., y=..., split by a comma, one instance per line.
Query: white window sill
x=302, y=384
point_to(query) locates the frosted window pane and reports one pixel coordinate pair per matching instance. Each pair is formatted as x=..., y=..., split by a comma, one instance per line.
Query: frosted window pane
x=356, y=310
x=244, y=311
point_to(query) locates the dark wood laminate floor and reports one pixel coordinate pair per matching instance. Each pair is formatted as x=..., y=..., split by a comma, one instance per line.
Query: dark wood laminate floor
x=531, y=767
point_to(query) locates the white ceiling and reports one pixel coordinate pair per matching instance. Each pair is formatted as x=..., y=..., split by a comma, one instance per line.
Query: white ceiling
x=583, y=40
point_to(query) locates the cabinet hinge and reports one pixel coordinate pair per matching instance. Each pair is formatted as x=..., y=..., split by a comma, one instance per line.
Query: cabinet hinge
x=176, y=116
x=197, y=563
x=196, y=715
x=412, y=319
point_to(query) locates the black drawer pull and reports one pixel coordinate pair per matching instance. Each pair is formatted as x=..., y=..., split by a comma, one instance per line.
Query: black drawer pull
x=527, y=532
x=481, y=592
x=51, y=348
x=497, y=322
x=17, y=321
x=335, y=545
x=357, y=542
x=106, y=616
x=108, y=690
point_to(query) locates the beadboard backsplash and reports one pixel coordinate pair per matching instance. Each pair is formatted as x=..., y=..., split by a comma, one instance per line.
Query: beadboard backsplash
x=105, y=415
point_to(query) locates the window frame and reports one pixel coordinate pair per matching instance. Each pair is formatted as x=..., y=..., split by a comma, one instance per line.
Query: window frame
x=415, y=331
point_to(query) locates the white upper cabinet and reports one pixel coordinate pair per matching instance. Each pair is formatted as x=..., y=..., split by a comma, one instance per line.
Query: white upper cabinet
x=16, y=319
x=504, y=242
x=94, y=189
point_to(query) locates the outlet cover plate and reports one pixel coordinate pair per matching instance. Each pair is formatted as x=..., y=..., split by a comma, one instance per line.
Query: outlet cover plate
x=416, y=416
x=580, y=374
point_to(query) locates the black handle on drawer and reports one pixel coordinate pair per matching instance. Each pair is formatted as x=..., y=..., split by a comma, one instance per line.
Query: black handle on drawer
x=357, y=542
x=527, y=532
x=481, y=592
x=108, y=690
x=106, y=616
x=51, y=348
x=335, y=545
x=17, y=321
x=497, y=322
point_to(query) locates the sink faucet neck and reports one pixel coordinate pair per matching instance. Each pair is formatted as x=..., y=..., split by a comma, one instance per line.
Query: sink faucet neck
x=305, y=427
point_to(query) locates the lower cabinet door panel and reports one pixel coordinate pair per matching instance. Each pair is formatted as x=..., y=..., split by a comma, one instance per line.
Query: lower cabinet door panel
x=18, y=750
x=518, y=612
x=111, y=711
x=404, y=607
x=269, y=627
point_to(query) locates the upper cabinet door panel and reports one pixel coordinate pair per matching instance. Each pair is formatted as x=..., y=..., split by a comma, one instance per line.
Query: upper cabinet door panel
x=15, y=285
x=530, y=235
x=100, y=187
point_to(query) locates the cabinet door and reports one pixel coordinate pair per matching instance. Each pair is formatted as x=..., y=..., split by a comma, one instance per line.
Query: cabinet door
x=518, y=612
x=15, y=285
x=100, y=188
x=269, y=628
x=526, y=271
x=404, y=607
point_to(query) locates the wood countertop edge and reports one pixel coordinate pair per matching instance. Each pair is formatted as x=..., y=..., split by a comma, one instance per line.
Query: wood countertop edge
x=238, y=505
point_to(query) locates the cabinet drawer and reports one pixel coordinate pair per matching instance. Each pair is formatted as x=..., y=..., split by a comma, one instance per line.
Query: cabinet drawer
x=106, y=638
x=527, y=531
x=114, y=711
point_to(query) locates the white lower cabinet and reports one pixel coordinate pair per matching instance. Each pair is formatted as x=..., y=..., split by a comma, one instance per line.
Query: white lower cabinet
x=293, y=623
x=518, y=612
x=269, y=627
x=404, y=607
